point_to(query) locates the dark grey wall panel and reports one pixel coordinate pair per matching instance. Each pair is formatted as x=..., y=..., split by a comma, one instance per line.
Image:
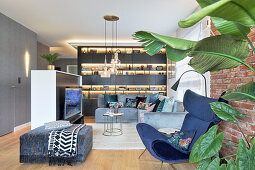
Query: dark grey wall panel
x=63, y=62
x=42, y=64
x=15, y=41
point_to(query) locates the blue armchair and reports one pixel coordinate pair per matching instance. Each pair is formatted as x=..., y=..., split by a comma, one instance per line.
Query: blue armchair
x=199, y=119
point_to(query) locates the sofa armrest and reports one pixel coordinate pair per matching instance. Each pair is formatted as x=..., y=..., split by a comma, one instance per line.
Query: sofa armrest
x=164, y=119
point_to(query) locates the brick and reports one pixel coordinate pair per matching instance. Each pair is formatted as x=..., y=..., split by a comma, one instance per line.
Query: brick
x=250, y=59
x=232, y=78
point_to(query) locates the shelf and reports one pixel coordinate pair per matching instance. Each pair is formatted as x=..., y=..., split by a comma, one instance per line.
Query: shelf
x=111, y=50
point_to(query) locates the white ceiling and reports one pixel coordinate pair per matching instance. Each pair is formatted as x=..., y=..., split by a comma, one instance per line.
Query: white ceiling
x=58, y=22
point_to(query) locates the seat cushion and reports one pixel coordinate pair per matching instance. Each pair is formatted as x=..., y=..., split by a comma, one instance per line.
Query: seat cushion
x=130, y=114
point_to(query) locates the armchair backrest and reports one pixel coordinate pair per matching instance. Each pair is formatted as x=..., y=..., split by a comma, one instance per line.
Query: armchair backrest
x=200, y=117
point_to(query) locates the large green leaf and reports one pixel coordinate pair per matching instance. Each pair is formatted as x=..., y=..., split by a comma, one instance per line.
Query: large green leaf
x=224, y=26
x=207, y=145
x=205, y=55
x=176, y=49
x=230, y=27
x=214, y=165
x=240, y=11
x=244, y=92
x=225, y=111
x=245, y=159
x=202, y=165
x=231, y=165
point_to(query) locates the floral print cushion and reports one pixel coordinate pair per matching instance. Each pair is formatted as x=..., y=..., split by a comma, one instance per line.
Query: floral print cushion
x=177, y=140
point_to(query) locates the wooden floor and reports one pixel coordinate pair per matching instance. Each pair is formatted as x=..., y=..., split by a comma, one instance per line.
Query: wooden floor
x=96, y=160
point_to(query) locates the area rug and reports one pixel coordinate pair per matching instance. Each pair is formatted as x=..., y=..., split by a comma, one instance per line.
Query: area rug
x=129, y=140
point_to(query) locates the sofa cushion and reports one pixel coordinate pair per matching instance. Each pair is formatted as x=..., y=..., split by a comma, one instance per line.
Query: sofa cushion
x=132, y=103
x=109, y=98
x=150, y=108
x=168, y=105
x=151, y=98
x=161, y=105
x=130, y=114
x=140, y=99
x=157, y=102
x=178, y=106
x=123, y=97
x=100, y=101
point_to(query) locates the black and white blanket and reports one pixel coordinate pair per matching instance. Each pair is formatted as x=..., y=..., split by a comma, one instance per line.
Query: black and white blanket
x=62, y=145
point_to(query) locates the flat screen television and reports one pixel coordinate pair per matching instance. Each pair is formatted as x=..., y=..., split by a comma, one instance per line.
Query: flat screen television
x=73, y=102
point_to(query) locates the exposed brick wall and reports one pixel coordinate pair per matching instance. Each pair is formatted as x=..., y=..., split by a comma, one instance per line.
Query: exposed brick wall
x=232, y=78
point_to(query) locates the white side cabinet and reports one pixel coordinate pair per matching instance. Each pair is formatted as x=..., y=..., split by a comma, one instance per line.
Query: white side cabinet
x=47, y=88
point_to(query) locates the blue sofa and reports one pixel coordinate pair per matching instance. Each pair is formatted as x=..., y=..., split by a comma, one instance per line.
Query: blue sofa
x=134, y=115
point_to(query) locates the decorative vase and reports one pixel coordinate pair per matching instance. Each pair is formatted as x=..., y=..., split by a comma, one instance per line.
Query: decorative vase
x=51, y=67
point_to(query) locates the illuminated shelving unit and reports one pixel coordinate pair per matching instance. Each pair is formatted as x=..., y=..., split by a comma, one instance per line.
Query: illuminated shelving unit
x=91, y=91
x=139, y=73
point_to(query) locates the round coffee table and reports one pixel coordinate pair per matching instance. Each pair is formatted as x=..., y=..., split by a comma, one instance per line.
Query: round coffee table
x=110, y=124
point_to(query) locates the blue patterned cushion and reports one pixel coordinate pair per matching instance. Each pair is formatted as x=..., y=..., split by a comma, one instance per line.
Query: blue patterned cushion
x=161, y=105
x=109, y=98
x=151, y=98
x=168, y=105
x=131, y=103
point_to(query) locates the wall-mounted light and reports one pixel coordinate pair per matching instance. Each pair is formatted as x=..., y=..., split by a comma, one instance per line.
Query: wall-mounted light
x=27, y=56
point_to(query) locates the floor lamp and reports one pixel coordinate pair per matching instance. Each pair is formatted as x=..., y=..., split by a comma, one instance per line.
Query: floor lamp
x=176, y=84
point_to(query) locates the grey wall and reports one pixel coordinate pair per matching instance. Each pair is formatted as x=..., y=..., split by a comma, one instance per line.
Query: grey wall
x=42, y=64
x=62, y=63
x=15, y=40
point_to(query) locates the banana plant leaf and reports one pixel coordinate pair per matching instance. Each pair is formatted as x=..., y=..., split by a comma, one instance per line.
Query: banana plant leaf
x=176, y=49
x=245, y=158
x=225, y=111
x=207, y=145
x=230, y=27
x=240, y=11
x=206, y=53
x=244, y=92
x=223, y=26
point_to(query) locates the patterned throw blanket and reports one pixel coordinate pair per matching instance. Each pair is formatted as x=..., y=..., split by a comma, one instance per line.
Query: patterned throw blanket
x=62, y=145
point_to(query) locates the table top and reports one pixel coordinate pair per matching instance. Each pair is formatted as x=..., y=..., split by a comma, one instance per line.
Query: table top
x=113, y=114
x=168, y=131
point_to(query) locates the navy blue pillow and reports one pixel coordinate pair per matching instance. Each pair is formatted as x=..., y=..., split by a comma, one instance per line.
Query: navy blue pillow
x=109, y=98
x=157, y=102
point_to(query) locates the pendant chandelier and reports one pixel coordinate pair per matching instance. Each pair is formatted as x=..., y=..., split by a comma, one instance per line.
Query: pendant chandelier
x=115, y=62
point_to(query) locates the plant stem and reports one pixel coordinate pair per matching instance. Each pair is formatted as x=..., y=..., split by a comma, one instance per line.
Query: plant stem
x=228, y=156
x=228, y=56
x=243, y=135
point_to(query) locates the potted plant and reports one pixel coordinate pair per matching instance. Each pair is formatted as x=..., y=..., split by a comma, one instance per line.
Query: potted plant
x=233, y=19
x=51, y=58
